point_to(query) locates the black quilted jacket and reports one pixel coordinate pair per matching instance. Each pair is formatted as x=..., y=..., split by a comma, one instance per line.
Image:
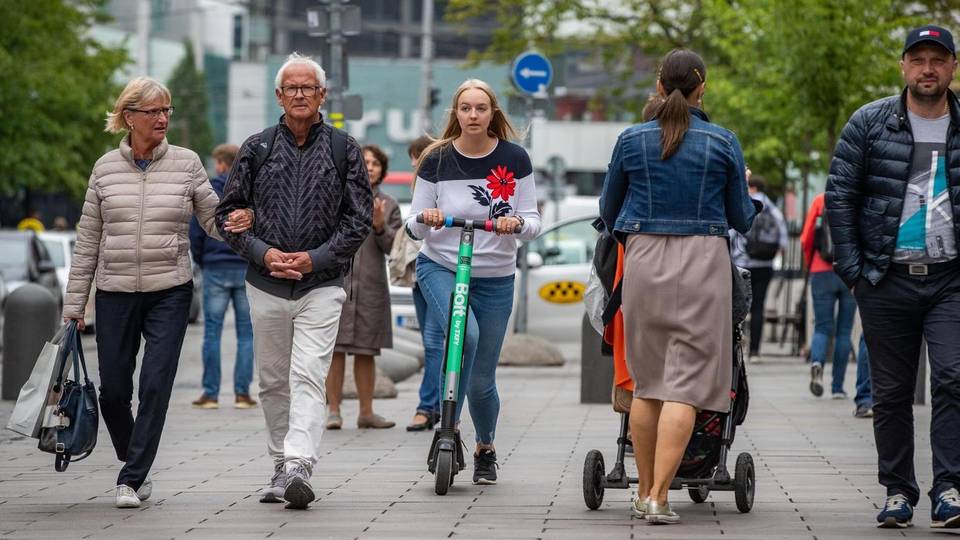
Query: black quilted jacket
x=868, y=183
x=299, y=205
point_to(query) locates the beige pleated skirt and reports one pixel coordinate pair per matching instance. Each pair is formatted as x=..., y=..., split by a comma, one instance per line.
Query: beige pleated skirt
x=678, y=321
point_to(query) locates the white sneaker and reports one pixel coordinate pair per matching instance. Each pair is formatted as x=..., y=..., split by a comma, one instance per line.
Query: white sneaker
x=146, y=489
x=661, y=514
x=127, y=497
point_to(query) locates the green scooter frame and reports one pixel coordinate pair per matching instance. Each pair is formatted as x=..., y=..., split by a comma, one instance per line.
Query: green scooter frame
x=446, y=457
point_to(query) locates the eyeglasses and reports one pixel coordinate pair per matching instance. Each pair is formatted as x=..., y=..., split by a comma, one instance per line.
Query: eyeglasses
x=308, y=91
x=155, y=113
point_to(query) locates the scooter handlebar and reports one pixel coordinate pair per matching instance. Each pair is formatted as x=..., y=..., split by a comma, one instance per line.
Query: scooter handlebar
x=484, y=225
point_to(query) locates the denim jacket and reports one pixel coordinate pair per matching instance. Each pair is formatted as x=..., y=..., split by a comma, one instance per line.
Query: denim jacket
x=700, y=190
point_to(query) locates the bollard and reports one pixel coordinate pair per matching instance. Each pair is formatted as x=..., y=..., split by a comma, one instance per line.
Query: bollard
x=31, y=317
x=596, y=368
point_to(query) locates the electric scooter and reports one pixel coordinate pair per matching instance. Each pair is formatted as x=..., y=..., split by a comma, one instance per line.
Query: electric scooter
x=446, y=457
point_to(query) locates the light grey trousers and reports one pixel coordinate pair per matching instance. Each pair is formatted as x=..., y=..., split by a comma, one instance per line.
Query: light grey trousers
x=293, y=343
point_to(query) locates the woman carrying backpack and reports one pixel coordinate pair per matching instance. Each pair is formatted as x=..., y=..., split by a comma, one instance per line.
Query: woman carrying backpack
x=829, y=295
x=674, y=187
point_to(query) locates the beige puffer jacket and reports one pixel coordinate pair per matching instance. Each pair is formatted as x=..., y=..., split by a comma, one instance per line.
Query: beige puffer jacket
x=134, y=231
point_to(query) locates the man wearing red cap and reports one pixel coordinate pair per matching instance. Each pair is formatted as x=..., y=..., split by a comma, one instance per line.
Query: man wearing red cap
x=893, y=203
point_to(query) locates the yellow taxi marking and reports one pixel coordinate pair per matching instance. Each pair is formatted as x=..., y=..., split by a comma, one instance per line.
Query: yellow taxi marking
x=563, y=292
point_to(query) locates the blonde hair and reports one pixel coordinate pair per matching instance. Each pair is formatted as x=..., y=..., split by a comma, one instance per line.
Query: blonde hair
x=137, y=92
x=500, y=126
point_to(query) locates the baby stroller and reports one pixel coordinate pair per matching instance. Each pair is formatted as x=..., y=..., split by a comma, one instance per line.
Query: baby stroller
x=704, y=465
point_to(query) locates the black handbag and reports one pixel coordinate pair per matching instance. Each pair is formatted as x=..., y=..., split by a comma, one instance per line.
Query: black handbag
x=77, y=415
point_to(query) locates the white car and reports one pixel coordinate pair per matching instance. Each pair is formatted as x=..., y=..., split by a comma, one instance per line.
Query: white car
x=60, y=247
x=559, y=262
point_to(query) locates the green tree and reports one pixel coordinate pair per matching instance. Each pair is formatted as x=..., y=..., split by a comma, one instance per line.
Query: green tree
x=55, y=89
x=190, y=124
x=783, y=74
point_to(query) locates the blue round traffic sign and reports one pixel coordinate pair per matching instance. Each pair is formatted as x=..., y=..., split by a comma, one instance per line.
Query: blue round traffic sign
x=531, y=72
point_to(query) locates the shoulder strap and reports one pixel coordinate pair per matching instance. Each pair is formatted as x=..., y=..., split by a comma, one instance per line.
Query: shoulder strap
x=262, y=150
x=338, y=148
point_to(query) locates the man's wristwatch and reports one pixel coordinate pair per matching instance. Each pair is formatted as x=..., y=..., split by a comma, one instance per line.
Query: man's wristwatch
x=520, y=219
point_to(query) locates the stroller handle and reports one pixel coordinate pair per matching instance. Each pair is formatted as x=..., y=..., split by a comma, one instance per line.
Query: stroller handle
x=485, y=225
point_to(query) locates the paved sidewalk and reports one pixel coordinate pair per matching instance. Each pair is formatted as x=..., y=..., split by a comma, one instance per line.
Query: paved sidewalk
x=815, y=462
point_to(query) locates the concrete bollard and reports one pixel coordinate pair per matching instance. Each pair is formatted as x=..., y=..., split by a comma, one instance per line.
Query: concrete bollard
x=596, y=368
x=31, y=317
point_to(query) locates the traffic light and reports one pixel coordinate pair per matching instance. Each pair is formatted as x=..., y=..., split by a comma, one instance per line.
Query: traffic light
x=434, y=97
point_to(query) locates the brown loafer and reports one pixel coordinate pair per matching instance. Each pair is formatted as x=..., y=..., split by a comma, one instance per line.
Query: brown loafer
x=374, y=421
x=205, y=402
x=244, y=401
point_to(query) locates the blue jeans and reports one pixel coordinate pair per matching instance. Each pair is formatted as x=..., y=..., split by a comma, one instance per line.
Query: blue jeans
x=829, y=294
x=220, y=286
x=431, y=331
x=489, y=307
x=864, y=398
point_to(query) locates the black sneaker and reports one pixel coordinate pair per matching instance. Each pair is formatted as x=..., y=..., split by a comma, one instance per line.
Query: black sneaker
x=298, y=492
x=485, y=467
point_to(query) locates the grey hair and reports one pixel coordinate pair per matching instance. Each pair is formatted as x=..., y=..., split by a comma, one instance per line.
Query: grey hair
x=299, y=59
x=137, y=92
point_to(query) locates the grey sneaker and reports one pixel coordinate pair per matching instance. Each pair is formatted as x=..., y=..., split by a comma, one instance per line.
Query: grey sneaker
x=146, y=489
x=274, y=493
x=658, y=514
x=127, y=497
x=863, y=411
x=816, y=379
x=298, y=493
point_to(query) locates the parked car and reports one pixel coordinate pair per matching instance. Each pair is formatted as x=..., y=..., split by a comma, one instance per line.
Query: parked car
x=60, y=247
x=26, y=260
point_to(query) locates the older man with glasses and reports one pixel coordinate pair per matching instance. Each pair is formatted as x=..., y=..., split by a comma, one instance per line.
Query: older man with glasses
x=308, y=185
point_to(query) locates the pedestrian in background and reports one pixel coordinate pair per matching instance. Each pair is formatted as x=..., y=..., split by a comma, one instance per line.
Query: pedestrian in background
x=366, y=324
x=428, y=409
x=684, y=178
x=310, y=220
x=132, y=237
x=756, y=251
x=893, y=202
x=474, y=171
x=833, y=308
x=223, y=283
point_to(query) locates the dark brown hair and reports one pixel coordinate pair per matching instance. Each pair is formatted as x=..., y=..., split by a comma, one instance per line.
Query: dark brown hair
x=418, y=146
x=380, y=156
x=681, y=73
x=758, y=183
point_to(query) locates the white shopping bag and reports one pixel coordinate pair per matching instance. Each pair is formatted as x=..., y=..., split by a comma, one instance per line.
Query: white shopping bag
x=34, y=404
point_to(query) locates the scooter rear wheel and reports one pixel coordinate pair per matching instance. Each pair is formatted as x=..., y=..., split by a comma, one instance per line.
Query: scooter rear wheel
x=443, y=478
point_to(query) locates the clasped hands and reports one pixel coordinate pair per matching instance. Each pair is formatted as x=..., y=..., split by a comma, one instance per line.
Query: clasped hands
x=287, y=265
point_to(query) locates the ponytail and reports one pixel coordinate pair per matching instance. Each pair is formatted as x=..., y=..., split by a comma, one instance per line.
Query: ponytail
x=681, y=73
x=674, y=117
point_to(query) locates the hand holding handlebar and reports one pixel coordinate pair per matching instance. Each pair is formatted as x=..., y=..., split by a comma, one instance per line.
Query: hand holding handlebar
x=435, y=218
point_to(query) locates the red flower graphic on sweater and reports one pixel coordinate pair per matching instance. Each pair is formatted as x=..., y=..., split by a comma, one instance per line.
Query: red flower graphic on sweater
x=501, y=183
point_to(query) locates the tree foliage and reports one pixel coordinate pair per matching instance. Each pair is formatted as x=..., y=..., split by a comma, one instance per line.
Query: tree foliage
x=55, y=88
x=783, y=74
x=190, y=124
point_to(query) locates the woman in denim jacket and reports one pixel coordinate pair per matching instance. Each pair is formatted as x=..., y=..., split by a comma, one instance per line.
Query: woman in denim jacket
x=674, y=187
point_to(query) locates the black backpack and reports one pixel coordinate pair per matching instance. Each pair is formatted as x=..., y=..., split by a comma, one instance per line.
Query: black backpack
x=338, y=148
x=605, y=263
x=763, y=238
x=822, y=240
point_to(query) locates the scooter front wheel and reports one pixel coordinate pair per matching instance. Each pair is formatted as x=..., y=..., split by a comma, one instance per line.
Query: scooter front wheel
x=443, y=477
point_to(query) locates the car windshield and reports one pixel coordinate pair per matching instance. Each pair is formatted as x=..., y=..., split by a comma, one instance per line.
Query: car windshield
x=400, y=192
x=55, y=249
x=14, y=260
x=570, y=243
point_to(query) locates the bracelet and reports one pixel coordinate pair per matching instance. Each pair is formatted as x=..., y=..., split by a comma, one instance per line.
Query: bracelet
x=520, y=218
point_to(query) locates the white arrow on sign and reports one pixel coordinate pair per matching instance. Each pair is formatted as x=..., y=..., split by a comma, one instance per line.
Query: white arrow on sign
x=526, y=73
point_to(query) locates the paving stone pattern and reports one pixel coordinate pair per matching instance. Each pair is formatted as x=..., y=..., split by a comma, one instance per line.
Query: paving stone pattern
x=816, y=473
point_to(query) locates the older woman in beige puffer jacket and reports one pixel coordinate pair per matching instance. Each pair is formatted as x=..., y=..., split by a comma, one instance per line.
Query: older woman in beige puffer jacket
x=133, y=238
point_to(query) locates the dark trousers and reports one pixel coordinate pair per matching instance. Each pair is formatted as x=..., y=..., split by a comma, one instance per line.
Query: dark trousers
x=897, y=314
x=759, y=282
x=161, y=318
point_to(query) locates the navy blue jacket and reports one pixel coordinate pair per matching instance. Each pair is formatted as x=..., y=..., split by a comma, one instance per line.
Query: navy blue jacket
x=868, y=182
x=207, y=252
x=700, y=190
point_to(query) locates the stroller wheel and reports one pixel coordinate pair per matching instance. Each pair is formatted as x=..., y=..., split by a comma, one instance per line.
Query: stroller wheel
x=699, y=494
x=593, y=478
x=744, y=483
